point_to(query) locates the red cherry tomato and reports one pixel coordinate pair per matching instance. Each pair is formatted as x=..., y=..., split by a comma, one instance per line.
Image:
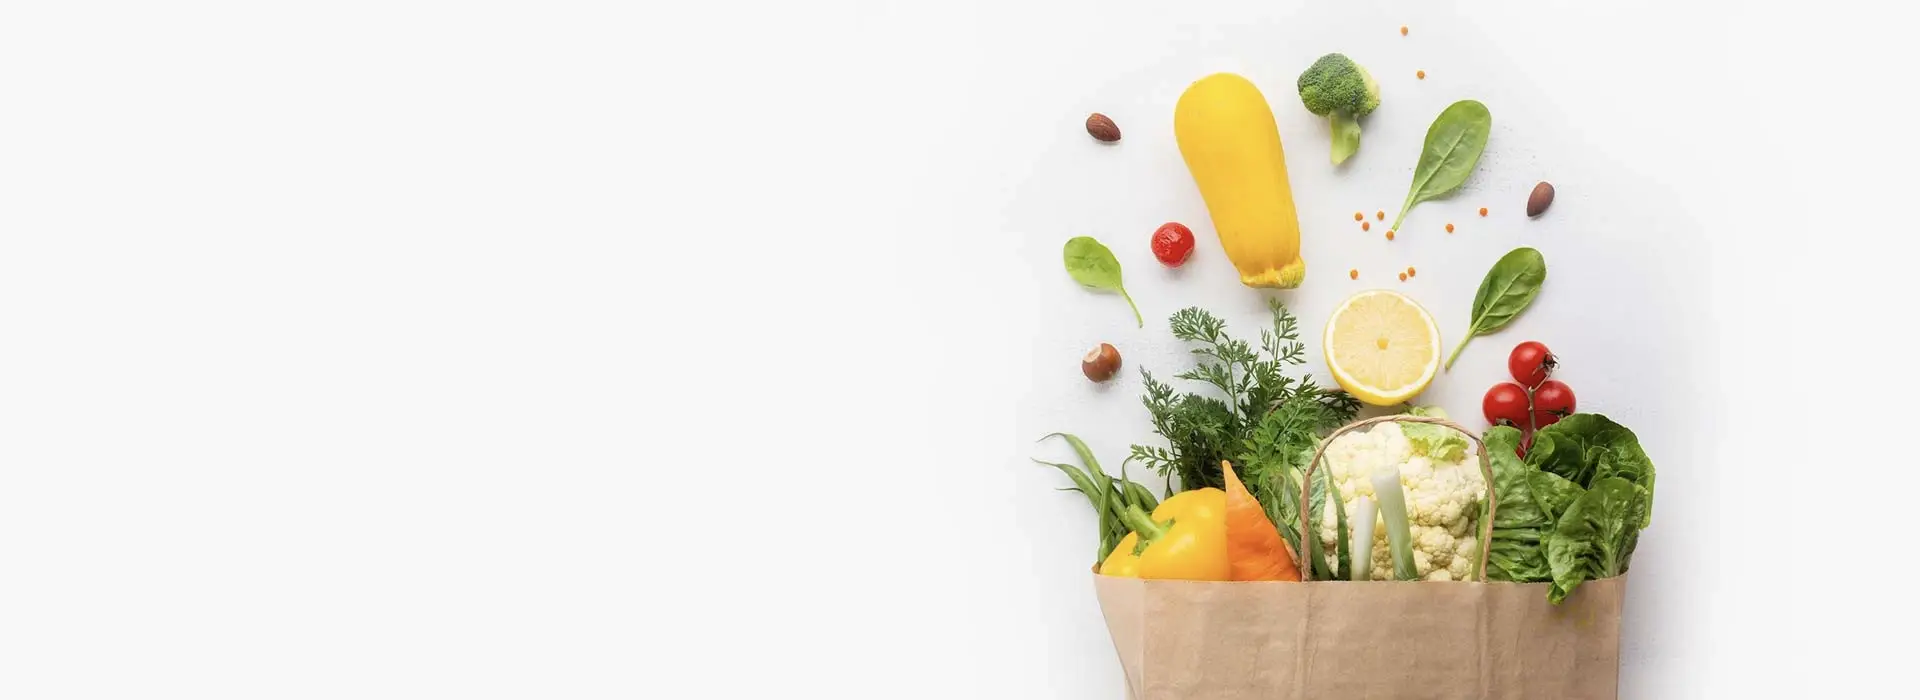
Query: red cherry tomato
x=1506, y=404
x=1172, y=244
x=1553, y=398
x=1530, y=364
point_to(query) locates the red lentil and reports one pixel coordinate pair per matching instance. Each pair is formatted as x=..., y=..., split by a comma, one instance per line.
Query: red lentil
x=1483, y=211
x=1449, y=228
x=1366, y=225
x=1420, y=74
x=1353, y=274
x=1389, y=235
x=1403, y=276
x=1357, y=216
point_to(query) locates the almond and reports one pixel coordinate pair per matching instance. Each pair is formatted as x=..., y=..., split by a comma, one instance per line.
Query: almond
x=1102, y=128
x=1541, y=197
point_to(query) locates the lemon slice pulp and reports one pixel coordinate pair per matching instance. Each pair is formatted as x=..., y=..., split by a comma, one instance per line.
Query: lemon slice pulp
x=1382, y=347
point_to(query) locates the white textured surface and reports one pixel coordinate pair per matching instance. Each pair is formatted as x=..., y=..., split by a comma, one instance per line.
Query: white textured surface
x=593, y=349
x=1625, y=303
x=1687, y=145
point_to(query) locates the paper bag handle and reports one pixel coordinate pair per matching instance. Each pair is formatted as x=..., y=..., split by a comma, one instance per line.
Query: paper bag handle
x=1479, y=449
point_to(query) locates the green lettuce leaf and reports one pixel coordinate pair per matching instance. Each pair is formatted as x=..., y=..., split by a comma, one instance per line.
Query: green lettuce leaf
x=1553, y=494
x=1587, y=447
x=1578, y=446
x=1517, y=509
x=1595, y=536
x=1517, y=556
x=1530, y=502
x=1438, y=443
x=1571, y=511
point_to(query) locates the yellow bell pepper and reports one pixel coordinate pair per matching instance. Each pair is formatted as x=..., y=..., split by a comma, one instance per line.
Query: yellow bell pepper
x=1185, y=538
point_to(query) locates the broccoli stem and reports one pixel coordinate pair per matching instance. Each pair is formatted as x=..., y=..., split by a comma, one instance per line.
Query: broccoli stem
x=1346, y=136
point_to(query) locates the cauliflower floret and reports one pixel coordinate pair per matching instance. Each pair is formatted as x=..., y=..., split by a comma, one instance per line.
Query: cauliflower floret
x=1352, y=457
x=1466, y=550
x=1443, y=501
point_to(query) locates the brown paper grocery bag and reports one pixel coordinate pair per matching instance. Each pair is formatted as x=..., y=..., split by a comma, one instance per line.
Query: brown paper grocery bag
x=1311, y=640
x=1277, y=640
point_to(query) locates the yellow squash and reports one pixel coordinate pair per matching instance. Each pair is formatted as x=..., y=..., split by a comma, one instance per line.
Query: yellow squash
x=1231, y=145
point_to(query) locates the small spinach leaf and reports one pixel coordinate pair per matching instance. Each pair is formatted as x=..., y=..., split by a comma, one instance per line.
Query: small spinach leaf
x=1453, y=147
x=1094, y=267
x=1507, y=290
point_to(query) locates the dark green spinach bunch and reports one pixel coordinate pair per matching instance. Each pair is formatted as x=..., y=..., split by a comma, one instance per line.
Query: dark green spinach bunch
x=1260, y=419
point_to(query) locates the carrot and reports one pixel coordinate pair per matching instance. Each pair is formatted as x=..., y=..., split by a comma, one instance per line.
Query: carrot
x=1254, y=547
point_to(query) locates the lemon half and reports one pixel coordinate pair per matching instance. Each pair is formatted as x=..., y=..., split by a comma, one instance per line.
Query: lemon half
x=1382, y=347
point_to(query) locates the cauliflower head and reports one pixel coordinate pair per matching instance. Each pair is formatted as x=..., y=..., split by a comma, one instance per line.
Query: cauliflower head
x=1445, y=491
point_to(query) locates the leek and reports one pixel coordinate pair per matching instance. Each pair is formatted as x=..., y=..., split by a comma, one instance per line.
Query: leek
x=1393, y=509
x=1362, y=526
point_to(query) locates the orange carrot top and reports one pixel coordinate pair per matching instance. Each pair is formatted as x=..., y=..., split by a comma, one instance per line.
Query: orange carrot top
x=1254, y=547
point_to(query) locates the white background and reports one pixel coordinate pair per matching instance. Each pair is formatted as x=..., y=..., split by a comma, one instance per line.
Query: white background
x=1627, y=305
x=414, y=349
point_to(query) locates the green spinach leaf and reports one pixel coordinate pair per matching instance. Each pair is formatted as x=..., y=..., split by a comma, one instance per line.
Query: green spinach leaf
x=1453, y=147
x=1506, y=291
x=1093, y=266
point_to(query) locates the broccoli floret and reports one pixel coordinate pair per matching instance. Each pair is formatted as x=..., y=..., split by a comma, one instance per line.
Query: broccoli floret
x=1337, y=88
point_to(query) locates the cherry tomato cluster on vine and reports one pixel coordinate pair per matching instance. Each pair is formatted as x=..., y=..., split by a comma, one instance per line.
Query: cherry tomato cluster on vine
x=1533, y=400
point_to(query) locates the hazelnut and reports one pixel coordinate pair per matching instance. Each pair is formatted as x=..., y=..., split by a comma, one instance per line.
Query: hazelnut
x=1101, y=363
